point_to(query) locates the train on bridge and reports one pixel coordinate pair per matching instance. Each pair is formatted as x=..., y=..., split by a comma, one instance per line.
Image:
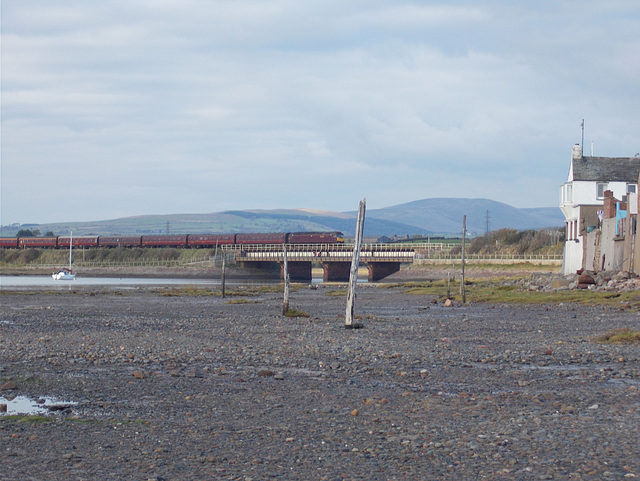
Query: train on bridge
x=202, y=241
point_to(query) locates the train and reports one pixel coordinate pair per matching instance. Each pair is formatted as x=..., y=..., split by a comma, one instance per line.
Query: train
x=177, y=240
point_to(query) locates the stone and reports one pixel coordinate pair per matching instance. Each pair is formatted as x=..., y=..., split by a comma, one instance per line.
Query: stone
x=586, y=279
x=559, y=283
x=8, y=386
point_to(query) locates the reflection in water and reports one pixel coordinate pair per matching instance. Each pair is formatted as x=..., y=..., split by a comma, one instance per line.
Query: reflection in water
x=25, y=405
x=47, y=281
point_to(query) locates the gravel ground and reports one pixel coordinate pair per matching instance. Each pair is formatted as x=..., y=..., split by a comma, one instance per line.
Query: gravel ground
x=190, y=388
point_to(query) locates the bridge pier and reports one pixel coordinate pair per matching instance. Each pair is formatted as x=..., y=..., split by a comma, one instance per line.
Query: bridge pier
x=380, y=270
x=298, y=271
x=336, y=271
x=269, y=269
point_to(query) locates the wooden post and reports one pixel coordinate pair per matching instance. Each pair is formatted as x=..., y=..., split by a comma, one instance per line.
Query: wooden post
x=464, y=236
x=285, y=301
x=224, y=268
x=355, y=262
x=448, y=285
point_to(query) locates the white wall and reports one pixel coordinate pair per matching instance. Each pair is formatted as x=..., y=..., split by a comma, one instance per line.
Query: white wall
x=572, y=257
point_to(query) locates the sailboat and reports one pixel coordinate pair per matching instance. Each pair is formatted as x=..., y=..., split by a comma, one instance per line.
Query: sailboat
x=66, y=274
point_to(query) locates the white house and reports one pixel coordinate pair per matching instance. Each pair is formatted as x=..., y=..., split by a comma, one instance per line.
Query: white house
x=582, y=198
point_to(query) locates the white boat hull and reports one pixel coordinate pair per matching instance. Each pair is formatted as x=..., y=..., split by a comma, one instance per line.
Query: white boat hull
x=66, y=274
x=63, y=276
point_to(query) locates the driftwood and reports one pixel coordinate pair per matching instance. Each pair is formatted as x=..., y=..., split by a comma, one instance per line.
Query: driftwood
x=355, y=262
x=285, y=300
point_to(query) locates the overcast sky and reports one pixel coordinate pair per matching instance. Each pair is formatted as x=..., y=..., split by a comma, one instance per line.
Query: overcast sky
x=120, y=108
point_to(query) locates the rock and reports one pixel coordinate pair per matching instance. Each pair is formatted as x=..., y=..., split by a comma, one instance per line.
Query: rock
x=8, y=386
x=585, y=279
x=448, y=303
x=559, y=283
x=266, y=373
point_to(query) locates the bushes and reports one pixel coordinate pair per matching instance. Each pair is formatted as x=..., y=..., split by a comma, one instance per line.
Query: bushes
x=518, y=242
x=21, y=256
x=116, y=255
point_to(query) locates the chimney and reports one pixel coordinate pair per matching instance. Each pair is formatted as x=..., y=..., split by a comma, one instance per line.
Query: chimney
x=576, y=152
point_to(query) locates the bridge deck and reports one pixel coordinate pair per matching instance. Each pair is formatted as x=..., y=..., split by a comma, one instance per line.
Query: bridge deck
x=324, y=253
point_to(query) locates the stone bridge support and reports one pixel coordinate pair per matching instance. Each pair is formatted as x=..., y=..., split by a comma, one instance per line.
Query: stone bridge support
x=298, y=271
x=262, y=269
x=336, y=271
x=380, y=270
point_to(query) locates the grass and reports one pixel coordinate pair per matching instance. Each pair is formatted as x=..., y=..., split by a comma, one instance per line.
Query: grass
x=190, y=291
x=620, y=336
x=492, y=290
x=292, y=312
x=340, y=292
x=26, y=418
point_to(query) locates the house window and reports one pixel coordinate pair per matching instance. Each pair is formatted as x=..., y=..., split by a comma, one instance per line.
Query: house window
x=632, y=188
x=601, y=187
x=569, y=193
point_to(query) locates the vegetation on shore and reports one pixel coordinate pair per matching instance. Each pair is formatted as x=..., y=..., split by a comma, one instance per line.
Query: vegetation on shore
x=620, y=336
x=119, y=255
x=502, y=290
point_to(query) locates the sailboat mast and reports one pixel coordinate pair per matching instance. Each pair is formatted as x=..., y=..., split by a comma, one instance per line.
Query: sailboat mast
x=70, y=248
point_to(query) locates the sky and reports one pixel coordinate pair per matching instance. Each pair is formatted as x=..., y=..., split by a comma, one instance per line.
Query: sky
x=130, y=107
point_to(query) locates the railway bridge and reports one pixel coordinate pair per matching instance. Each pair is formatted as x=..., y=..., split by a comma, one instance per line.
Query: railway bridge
x=381, y=259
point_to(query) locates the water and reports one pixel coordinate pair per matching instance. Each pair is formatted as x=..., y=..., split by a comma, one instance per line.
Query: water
x=130, y=282
x=26, y=405
x=48, y=281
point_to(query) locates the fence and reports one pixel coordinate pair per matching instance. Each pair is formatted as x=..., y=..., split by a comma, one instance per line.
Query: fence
x=445, y=258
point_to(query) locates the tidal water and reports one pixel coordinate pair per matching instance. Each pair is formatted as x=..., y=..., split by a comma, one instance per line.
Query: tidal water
x=48, y=281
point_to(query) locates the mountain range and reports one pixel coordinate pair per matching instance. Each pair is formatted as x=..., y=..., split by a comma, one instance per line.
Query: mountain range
x=439, y=216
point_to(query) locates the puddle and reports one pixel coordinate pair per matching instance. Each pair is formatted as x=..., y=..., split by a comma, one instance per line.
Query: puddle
x=624, y=382
x=30, y=406
x=561, y=367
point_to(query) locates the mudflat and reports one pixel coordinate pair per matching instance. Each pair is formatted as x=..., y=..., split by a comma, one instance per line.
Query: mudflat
x=152, y=385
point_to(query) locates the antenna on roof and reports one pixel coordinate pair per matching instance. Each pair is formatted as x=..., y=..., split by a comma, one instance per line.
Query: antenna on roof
x=582, y=127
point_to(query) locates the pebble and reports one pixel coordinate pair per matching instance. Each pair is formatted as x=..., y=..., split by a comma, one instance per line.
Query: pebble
x=485, y=392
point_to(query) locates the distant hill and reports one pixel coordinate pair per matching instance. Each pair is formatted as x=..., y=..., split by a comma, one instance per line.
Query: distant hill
x=444, y=215
x=423, y=217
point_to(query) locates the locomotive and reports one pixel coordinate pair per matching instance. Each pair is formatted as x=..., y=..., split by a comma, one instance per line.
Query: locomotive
x=177, y=240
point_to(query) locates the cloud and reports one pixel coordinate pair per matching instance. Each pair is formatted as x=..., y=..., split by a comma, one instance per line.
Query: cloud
x=199, y=106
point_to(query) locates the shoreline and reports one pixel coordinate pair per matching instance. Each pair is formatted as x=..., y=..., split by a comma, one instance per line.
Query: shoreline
x=411, y=273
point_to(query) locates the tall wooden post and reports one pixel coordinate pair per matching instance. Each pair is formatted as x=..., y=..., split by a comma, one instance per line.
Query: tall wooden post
x=464, y=237
x=224, y=268
x=285, y=301
x=355, y=262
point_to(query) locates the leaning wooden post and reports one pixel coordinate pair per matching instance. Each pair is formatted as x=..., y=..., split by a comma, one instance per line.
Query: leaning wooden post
x=285, y=301
x=464, y=236
x=224, y=268
x=355, y=262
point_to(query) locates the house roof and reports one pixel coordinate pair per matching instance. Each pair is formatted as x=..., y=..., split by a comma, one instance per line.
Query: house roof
x=606, y=169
